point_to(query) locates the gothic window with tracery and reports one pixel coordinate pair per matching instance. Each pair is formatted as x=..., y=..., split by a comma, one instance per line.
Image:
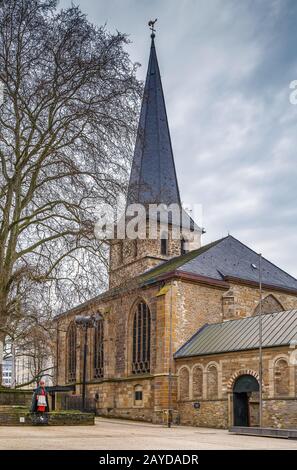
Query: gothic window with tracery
x=141, y=339
x=98, y=353
x=71, y=352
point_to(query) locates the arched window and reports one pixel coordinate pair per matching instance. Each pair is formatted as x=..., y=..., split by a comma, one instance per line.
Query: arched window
x=184, y=383
x=71, y=353
x=183, y=246
x=164, y=243
x=212, y=382
x=281, y=378
x=141, y=339
x=98, y=353
x=197, y=382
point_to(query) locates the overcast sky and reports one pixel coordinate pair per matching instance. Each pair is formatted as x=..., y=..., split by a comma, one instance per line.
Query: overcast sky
x=226, y=67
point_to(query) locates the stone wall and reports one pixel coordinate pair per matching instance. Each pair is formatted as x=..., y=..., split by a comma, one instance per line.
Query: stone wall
x=210, y=414
x=129, y=258
x=242, y=301
x=116, y=390
x=279, y=411
x=189, y=305
x=118, y=315
x=22, y=417
x=198, y=304
x=194, y=306
x=15, y=397
x=280, y=414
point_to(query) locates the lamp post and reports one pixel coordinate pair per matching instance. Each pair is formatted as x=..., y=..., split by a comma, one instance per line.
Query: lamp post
x=85, y=323
x=259, y=267
x=169, y=420
x=260, y=343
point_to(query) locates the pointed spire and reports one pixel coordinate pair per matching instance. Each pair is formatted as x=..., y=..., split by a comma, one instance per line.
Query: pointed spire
x=153, y=176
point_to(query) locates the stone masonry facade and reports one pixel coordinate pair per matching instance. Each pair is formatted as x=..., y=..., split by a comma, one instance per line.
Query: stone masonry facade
x=189, y=305
x=215, y=391
x=129, y=258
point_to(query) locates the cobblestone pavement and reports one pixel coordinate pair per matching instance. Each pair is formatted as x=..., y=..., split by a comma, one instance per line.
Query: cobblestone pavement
x=111, y=434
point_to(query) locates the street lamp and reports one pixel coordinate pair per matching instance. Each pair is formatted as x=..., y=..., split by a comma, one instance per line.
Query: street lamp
x=85, y=323
x=169, y=417
x=260, y=341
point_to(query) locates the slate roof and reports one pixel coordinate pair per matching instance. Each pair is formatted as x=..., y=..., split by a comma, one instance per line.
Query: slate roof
x=174, y=264
x=278, y=329
x=153, y=177
x=224, y=259
x=226, y=255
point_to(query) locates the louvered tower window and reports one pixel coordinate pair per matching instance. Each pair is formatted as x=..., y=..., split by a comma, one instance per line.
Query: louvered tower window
x=71, y=353
x=164, y=243
x=98, y=369
x=141, y=339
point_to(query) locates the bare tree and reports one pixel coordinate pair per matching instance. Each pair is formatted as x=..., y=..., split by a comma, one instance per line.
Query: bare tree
x=67, y=120
x=31, y=347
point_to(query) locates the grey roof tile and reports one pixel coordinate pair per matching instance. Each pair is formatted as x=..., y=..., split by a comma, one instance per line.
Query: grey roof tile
x=153, y=177
x=224, y=258
x=231, y=258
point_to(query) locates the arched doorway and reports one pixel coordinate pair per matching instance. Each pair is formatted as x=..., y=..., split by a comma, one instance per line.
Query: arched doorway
x=244, y=388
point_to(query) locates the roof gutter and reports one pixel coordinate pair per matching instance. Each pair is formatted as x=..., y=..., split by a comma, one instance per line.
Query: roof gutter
x=188, y=277
x=256, y=284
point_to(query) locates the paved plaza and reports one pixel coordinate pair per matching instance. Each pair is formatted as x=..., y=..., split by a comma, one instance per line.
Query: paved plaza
x=111, y=434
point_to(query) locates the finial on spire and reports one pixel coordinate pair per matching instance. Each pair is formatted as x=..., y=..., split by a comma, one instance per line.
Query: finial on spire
x=151, y=24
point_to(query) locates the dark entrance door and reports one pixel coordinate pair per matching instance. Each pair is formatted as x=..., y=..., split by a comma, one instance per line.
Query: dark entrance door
x=243, y=388
x=241, y=409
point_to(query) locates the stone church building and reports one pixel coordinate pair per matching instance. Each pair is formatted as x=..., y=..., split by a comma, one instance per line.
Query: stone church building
x=179, y=325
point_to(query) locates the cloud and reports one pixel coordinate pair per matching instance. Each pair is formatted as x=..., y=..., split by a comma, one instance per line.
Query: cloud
x=226, y=68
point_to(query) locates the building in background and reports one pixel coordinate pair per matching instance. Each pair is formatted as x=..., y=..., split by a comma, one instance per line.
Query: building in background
x=23, y=368
x=7, y=372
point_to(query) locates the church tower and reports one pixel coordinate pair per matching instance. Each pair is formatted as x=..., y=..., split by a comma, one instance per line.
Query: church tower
x=153, y=181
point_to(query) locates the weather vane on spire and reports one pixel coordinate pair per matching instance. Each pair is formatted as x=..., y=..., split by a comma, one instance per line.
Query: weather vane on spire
x=151, y=24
